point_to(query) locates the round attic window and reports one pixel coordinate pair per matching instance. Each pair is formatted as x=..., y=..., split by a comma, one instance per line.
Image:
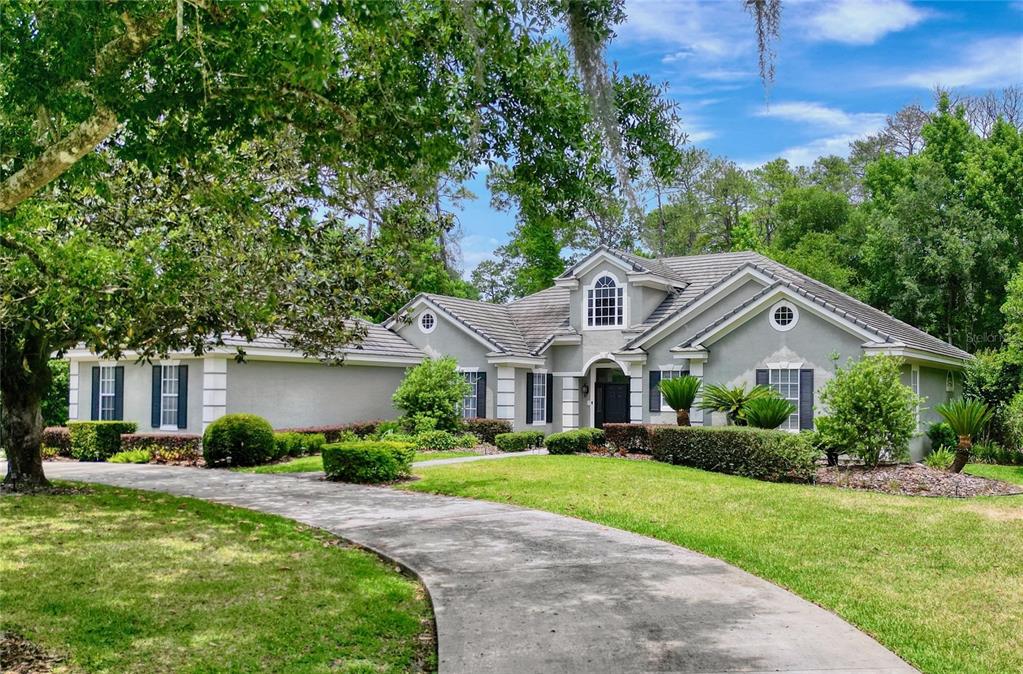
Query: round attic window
x=784, y=316
x=427, y=322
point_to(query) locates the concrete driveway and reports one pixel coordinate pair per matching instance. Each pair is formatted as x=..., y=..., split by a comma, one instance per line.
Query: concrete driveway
x=520, y=591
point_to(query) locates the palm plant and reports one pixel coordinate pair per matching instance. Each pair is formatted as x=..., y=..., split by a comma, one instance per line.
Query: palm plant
x=968, y=418
x=680, y=393
x=732, y=401
x=767, y=411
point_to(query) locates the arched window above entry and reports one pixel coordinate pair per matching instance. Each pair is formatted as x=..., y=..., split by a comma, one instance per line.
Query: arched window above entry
x=605, y=303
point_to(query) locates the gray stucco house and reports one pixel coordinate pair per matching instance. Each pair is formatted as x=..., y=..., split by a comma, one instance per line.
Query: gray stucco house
x=589, y=350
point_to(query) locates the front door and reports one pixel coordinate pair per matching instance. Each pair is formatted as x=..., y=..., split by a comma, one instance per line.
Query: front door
x=612, y=403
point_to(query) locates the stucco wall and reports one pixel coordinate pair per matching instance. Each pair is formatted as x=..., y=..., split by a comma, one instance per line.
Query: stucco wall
x=449, y=340
x=310, y=394
x=138, y=393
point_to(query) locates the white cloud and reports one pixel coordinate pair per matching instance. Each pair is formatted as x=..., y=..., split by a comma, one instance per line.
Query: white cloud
x=690, y=28
x=805, y=155
x=985, y=63
x=725, y=75
x=863, y=21
x=823, y=116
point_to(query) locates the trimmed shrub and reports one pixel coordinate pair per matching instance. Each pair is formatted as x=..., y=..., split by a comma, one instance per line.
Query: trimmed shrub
x=992, y=452
x=238, y=440
x=433, y=389
x=165, y=447
x=574, y=442
x=518, y=442
x=58, y=441
x=467, y=440
x=97, y=440
x=775, y=456
x=941, y=435
x=131, y=456
x=287, y=443
x=487, y=429
x=636, y=438
x=367, y=461
x=335, y=432
x=435, y=440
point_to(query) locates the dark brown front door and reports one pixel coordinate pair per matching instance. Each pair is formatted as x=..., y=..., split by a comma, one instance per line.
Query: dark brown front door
x=612, y=404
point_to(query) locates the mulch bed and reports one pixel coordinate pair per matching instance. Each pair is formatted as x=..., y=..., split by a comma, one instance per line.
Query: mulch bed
x=913, y=479
x=18, y=655
x=631, y=456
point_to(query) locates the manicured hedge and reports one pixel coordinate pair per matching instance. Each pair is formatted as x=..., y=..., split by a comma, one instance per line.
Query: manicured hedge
x=367, y=461
x=97, y=440
x=165, y=447
x=776, y=456
x=636, y=438
x=333, y=432
x=58, y=439
x=519, y=441
x=238, y=440
x=292, y=443
x=574, y=442
x=487, y=429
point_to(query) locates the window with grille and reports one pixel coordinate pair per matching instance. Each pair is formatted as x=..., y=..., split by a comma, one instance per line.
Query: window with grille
x=470, y=402
x=107, y=392
x=539, y=401
x=169, y=396
x=605, y=303
x=786, y=383
x=669, y=374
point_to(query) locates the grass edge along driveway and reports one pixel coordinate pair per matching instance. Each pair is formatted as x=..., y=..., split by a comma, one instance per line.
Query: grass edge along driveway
x=938, y=581
x=314, y=463
x=124, y=580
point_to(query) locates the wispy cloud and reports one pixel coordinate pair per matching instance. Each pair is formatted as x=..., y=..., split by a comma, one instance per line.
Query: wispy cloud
x=821, y=115
x=689, y=29
x=863, y=21
x=986, y=63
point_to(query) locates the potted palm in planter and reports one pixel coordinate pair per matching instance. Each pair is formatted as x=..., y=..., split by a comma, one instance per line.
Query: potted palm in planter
x=680, y=393
x=968, y=418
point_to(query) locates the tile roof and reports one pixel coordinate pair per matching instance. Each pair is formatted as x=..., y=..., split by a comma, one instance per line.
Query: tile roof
x=378, y=341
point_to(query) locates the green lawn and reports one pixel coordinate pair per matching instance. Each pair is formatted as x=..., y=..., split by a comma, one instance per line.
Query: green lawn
x=314, y=464
x=1012, y=474
x=120, y=580
x=936, y=580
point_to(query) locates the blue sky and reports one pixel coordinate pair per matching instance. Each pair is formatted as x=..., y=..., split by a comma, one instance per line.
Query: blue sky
x=841, y=66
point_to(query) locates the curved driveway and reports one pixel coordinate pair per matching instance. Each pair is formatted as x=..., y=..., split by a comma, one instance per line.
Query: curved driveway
x=521, y=591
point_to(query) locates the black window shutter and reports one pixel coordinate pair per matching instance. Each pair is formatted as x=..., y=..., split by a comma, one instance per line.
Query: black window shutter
x=529, y=397
x=806, y=400
x=119, y=392
x=763, y=378
x=481, y=395
x=655, y=390
x=95, y=393
x=550, y=397
x=154, y=420
x=182, y=396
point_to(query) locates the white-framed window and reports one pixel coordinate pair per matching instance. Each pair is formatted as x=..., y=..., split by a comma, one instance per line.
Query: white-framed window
x=539, y=401
x=784, y=316
x=107, y=391
x=605, y=303
x=786, y=382
x=169, y=382
x=470, y=403
x=427, y=322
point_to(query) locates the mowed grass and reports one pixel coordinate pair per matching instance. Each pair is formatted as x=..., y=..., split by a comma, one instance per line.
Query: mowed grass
x=127, y=581
x=1012, y=474
x=314, y=464
x=939, y=581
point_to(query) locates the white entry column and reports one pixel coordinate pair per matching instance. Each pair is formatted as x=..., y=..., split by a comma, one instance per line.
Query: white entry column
x=636, y=393
x=72, y=397
x=506, y=393
x=696, y=414
x=569, y=403
x=214, y=389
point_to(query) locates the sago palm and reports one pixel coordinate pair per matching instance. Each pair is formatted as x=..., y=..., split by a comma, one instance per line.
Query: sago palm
x=680, y=393
x=968, y=418
x=768, y=411
x=732, y=401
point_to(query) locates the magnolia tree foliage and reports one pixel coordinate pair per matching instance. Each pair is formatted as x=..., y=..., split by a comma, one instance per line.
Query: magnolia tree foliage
x=434, y=389
x=870, y=413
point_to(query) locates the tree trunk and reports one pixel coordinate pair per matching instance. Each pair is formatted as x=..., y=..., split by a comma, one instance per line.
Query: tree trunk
x=962, y=454
x=22, y=440
x=682, y=417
